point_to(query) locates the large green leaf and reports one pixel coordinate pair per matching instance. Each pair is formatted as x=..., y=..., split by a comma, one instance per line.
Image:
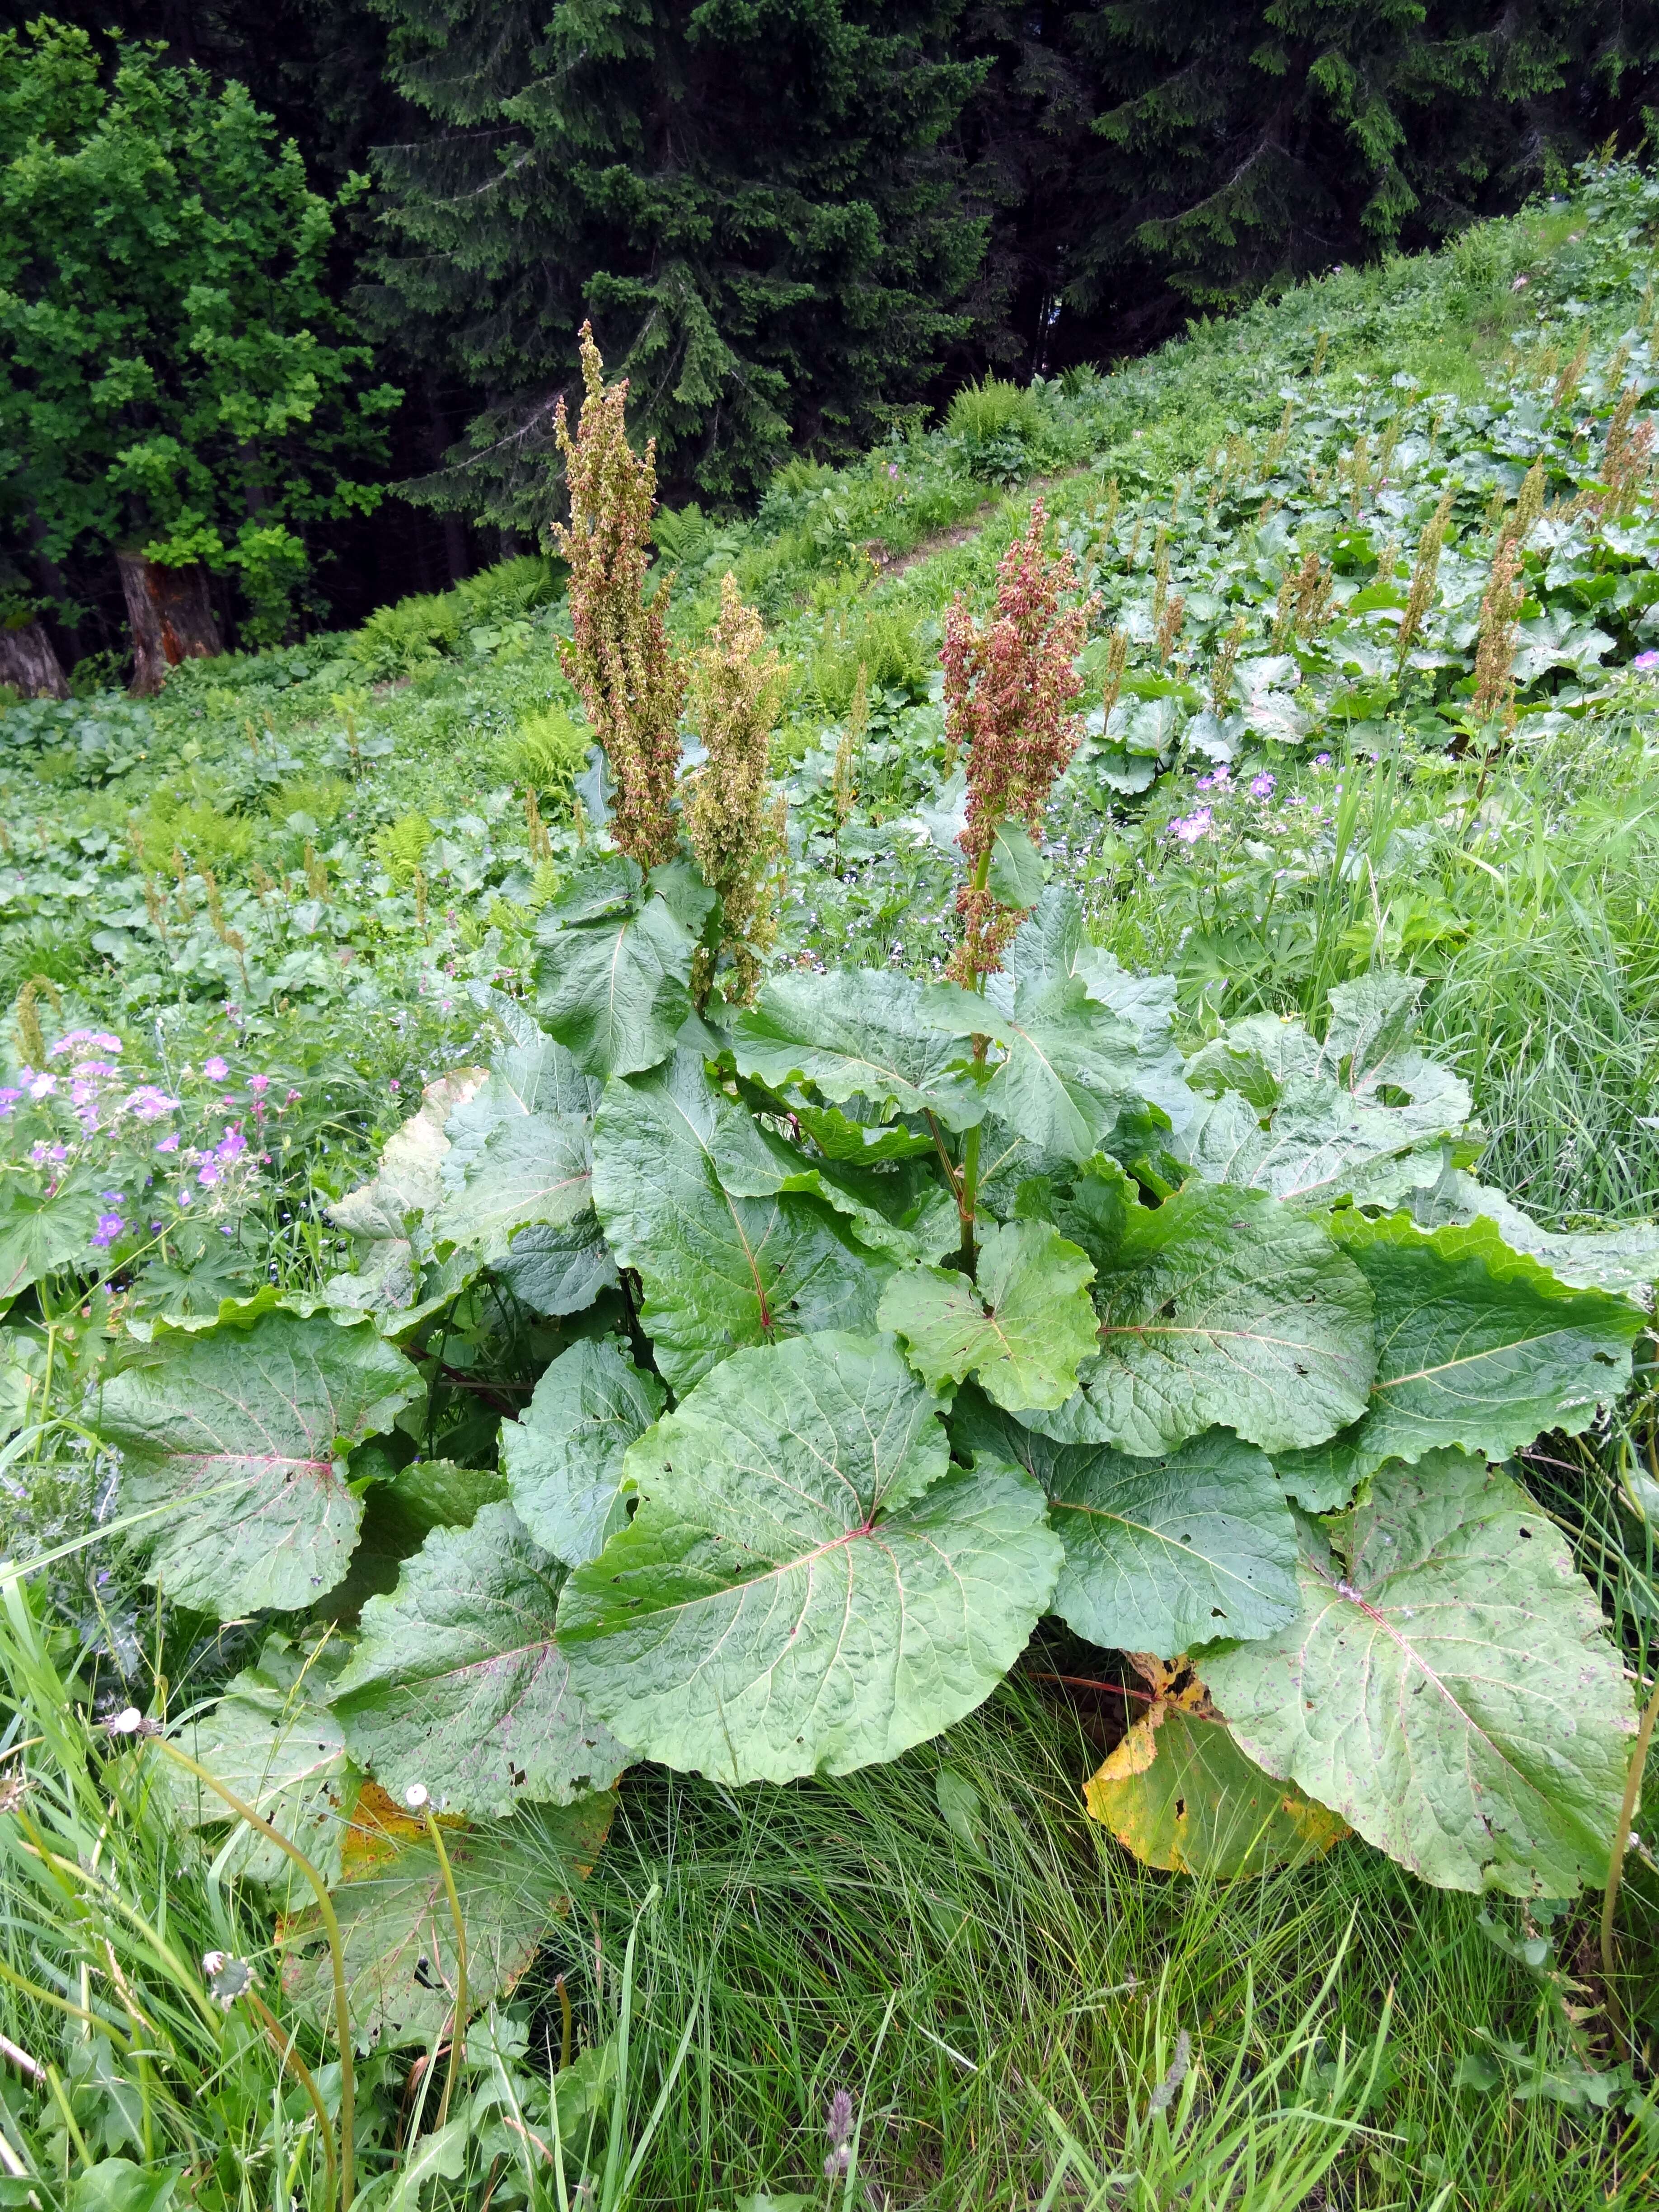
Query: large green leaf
x=406, y=1184
x=531, y=1167
x=245, y=1432
x=458, y=1685
x=1021, y=1326
x=1159, y=1553
x=1180, y=1794
x=1221, y=1307
x=1478, y=1346
x=530, y=1073
x=1366, y=1115
x=1054, y=943
x=397, y=1928
x=855, y=1033
x=1068, y=1067
x=1448, y=1685
x=519, y=1191
x=717, y=1270
x=1623, y=1257
x=615, y=993
x=563, y=1455
x=1321, y=1146
x=807, y=1586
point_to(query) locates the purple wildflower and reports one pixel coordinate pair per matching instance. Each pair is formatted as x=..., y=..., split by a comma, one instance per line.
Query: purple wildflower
x=1322, y=760
x=9, y=1098
x=169, y=1143
x=1647, y=662
x=1188, y=829
x=110, y=1226
x=215, y=1069
x=43, y=1086
x=1262, y=786
x=149, y=1104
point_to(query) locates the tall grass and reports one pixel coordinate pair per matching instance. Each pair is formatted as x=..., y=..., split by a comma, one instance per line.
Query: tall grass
x=1020, y=2016
x=1526, y=898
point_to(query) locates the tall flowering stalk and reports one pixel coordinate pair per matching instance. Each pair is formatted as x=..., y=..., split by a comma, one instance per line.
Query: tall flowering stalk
x=619, y=657
x=734, y=826
x=1424, y=572
x=1007, y=687
x=1494, y=659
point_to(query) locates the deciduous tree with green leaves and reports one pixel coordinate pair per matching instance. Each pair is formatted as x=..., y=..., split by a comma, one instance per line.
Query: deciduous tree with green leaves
x=177, y=389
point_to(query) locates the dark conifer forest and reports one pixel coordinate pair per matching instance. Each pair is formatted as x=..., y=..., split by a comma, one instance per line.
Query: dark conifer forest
x=795, y=224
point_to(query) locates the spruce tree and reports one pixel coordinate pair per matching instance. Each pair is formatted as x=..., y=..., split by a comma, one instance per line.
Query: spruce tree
x=756, y=203
x=1241, y=144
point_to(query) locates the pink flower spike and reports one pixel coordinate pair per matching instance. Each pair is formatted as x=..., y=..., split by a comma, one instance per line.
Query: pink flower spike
x=258, y=1085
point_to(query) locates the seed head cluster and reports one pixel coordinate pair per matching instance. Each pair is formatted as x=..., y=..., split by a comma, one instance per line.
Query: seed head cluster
x=619, y=657
x=735, y=830
x=1008, y=685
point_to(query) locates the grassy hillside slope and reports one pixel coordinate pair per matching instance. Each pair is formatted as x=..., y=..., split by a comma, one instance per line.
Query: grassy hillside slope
x=277, y=889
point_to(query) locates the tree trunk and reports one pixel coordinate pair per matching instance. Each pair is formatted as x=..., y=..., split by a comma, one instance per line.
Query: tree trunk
x=29, y=663
x=170, y=618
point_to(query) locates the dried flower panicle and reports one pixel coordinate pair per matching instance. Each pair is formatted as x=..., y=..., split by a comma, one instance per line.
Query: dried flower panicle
x=1567, y=384
x=1117, y=661
x=1627, y=455
x=1169, y=627
x=619, y=657
x=734, y=824
x=1424, y=572
x=1494, y=659
x=1221, y=676
x=1007, y=687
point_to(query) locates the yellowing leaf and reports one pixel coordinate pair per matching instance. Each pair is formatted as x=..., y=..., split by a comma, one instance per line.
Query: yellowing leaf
x=1180, y=1794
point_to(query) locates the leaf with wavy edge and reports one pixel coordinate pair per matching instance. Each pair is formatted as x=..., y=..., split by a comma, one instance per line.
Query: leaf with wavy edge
x=1068, y=1067
x=1623, y=1257
x=855, y=1033
x=245, y=1432
x=1020, y=1327
x=1478, y=1346
x=717, y=1271
x=407, y=1181
x=563, y=1455
x=1448, y=1688
x=1160, y=1554
x=458, y=1682
x=616, y=994
x=1221, y=1307
x=807, y=1587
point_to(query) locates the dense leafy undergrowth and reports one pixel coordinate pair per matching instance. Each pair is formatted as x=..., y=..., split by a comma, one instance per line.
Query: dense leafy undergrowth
x=513, y=1375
